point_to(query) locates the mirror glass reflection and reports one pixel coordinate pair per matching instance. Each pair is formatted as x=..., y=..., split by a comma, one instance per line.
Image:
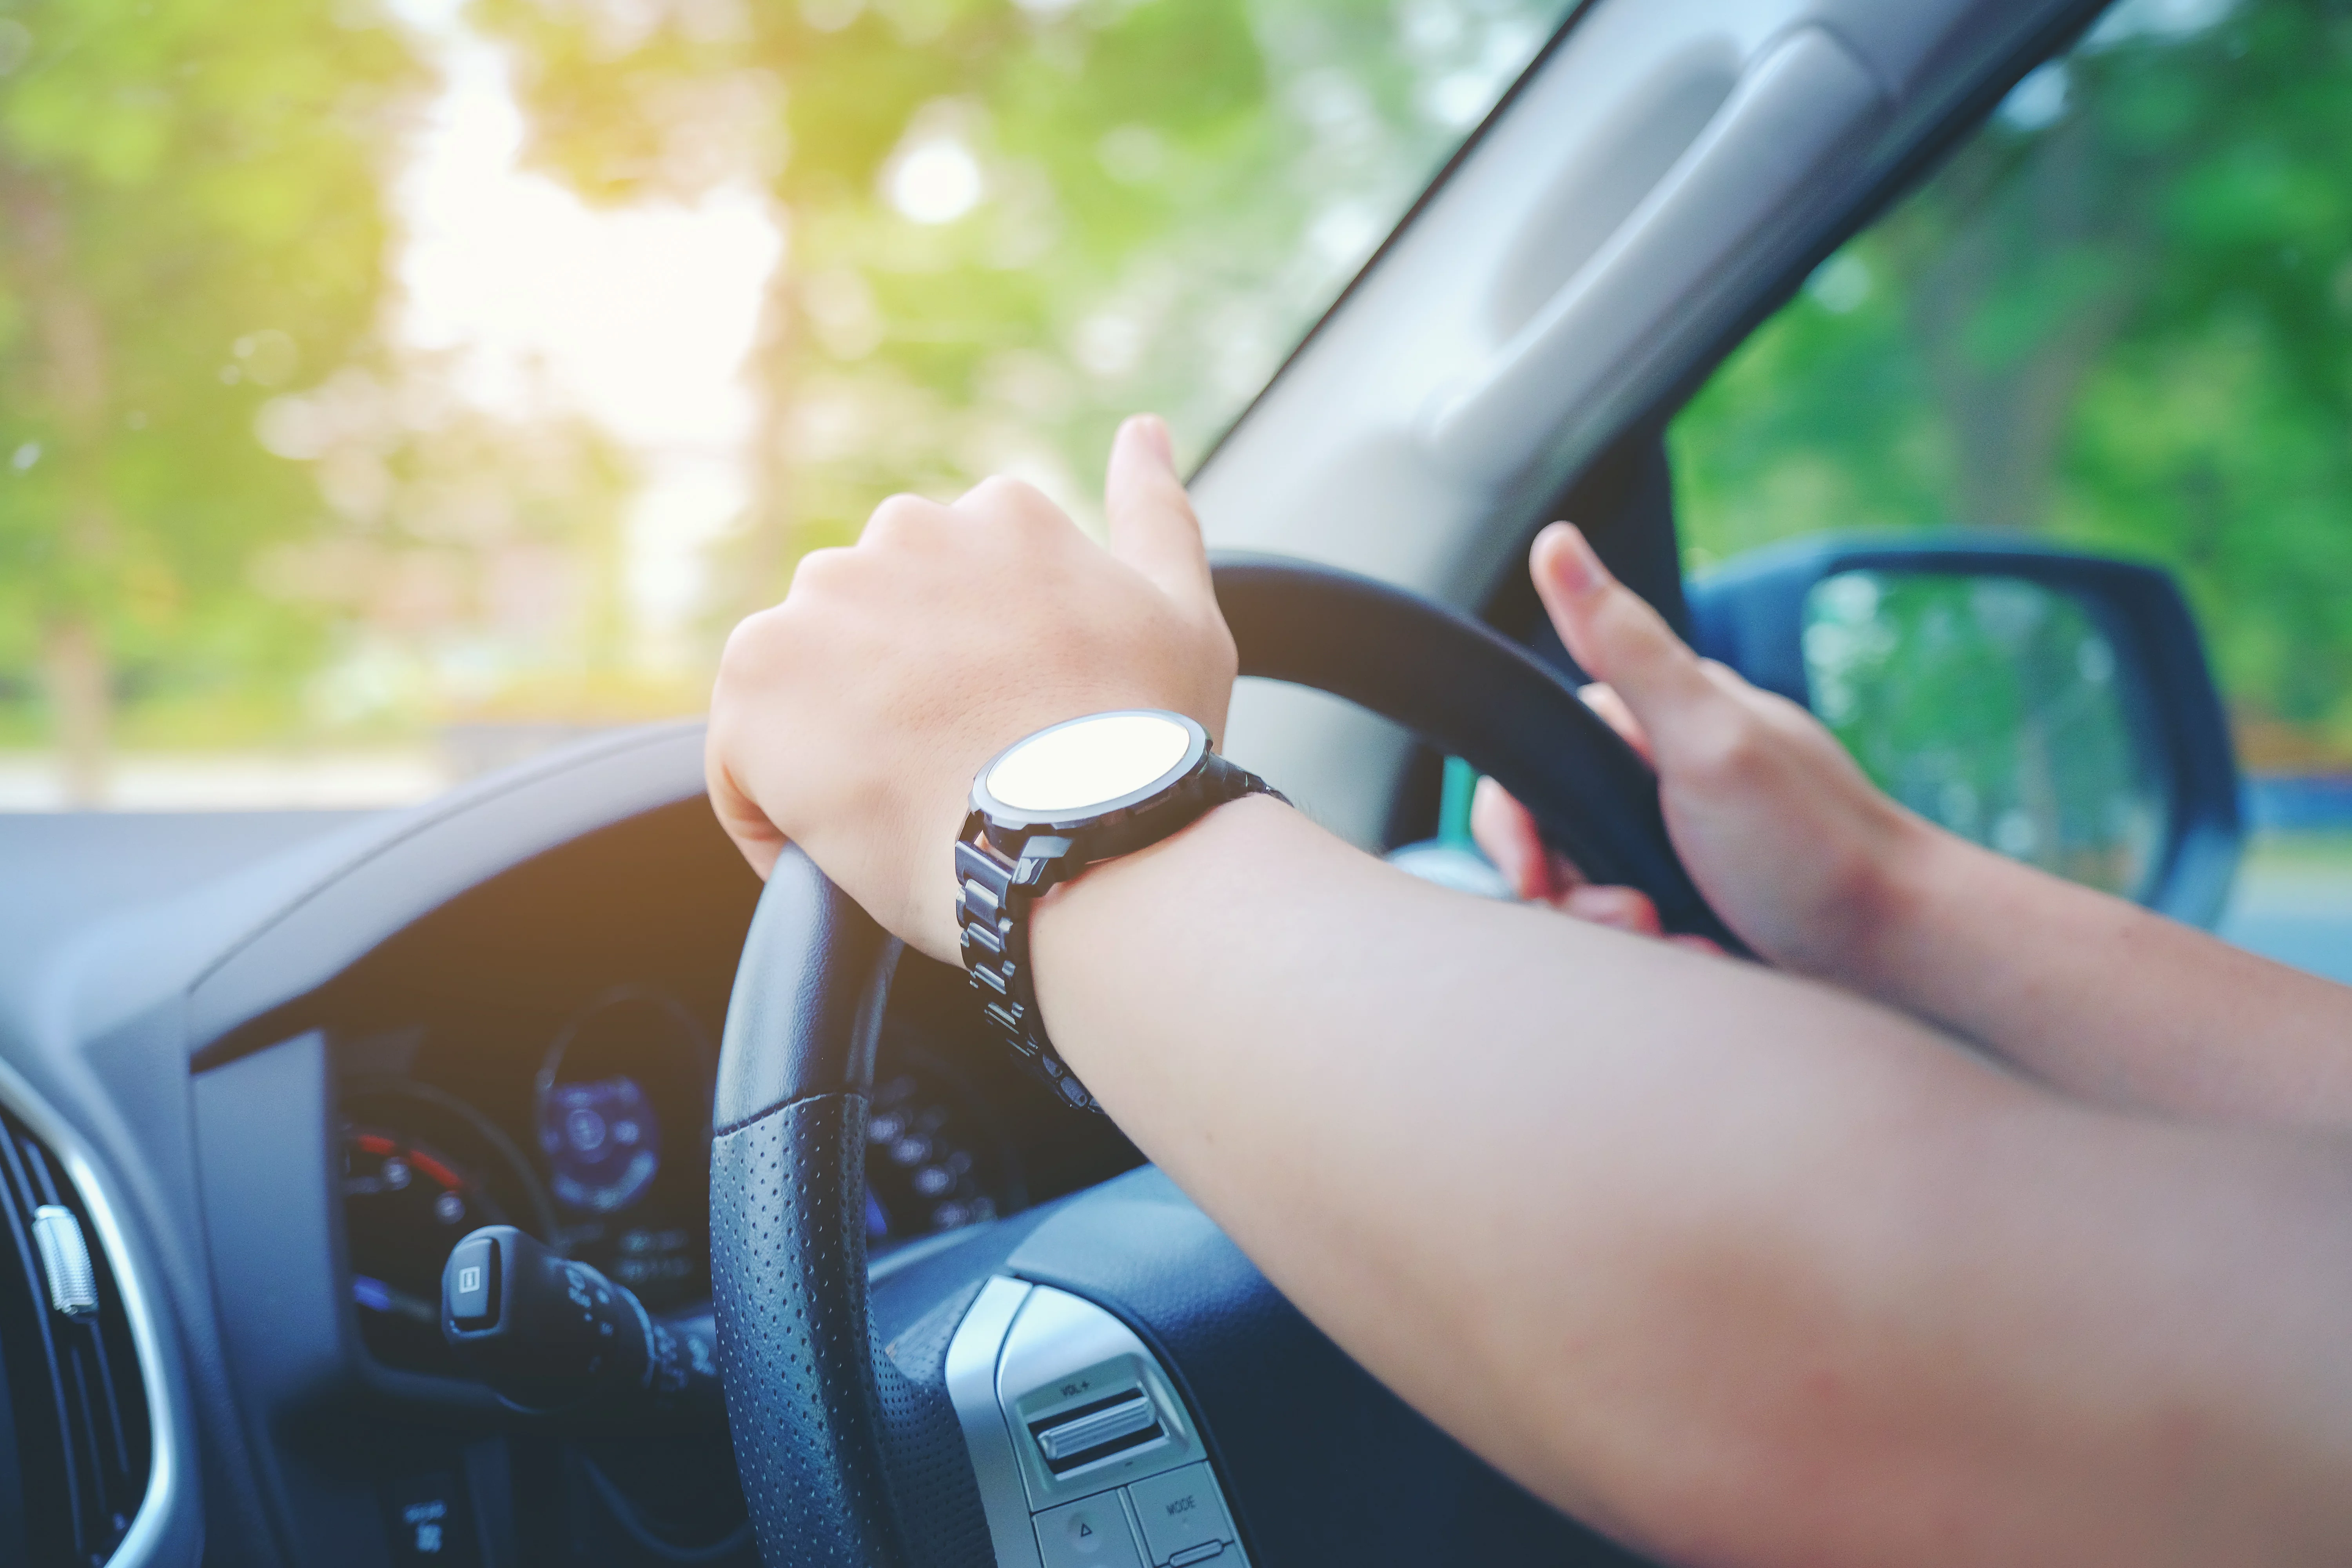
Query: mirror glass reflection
x=1993, y=705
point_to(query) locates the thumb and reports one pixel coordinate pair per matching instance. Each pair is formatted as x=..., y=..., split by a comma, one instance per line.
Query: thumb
x=1613, y=633
x=1153, y=527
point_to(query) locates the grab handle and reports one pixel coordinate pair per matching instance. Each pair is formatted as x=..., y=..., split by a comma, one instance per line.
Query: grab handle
x=1797, y=114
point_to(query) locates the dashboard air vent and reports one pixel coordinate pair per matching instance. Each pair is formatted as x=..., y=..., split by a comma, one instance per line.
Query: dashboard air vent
x=75, y=1444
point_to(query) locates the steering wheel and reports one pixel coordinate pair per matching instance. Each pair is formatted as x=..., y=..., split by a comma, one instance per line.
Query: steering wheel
x=883, y=1422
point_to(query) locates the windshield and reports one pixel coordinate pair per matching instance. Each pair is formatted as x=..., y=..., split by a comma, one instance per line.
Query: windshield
x=389, y=390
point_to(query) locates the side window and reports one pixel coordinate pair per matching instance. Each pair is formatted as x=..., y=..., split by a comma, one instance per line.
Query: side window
x=2119, y=316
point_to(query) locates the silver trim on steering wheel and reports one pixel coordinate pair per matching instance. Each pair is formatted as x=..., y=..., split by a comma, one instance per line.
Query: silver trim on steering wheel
x=1082, y=1448
x=972, y=1387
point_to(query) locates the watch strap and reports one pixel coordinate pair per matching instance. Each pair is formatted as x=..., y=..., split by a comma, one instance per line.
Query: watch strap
x=997, y=884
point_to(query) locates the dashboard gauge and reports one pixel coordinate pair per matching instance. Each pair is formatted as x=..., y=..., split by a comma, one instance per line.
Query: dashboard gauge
x=603, y=1139
x=623, y=1117
x=420, y=1169
x=934, y=1158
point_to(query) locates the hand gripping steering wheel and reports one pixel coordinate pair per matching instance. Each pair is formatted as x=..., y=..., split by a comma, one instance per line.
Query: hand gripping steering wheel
x=855, y=1441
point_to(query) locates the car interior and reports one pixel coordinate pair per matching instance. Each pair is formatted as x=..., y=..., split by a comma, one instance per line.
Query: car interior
x=515, y=1178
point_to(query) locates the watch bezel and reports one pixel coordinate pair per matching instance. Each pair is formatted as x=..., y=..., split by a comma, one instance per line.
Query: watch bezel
x=1010, y=819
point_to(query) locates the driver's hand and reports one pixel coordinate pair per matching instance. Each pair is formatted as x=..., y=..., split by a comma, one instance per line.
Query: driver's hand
x=851, y=718
x=1781, y=831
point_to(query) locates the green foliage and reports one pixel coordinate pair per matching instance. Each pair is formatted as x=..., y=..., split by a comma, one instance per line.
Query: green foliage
x=229, y=511
x=1167, y=192
x=190, y=222
x=2129, y=329
x=471, y=564
x=232, y=510
x=1991, y=705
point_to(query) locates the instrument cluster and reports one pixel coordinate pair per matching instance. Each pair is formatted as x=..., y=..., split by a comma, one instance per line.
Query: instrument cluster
x=593, y=1133
x=606, y=1159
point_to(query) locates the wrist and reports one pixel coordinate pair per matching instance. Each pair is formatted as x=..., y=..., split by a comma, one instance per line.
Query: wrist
x=1102, y=787
x=1068, y=928
x=1170, y=856
x=1916, y=872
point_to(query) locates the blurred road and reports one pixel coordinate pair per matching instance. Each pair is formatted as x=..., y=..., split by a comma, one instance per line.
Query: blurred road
x=2293, y=902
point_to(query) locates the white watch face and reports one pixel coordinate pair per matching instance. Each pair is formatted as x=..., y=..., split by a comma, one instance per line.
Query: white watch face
x=1066, y=770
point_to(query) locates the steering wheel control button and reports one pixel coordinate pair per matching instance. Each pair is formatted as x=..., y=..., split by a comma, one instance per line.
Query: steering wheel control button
x=1088, y=1405
x=1090, y=1534
x=473, y=1275
x=1068, y=1415
x=1182, y=1515
x=1098, y=1431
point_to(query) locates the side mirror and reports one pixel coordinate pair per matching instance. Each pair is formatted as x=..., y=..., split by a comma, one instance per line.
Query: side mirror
x=2055, y=707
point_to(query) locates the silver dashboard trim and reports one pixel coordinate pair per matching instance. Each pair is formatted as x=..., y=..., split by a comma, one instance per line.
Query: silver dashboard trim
x=65, y=1261
x=166, y=1472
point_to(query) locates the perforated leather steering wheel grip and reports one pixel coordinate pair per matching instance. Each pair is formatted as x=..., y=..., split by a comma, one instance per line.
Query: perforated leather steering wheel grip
x=839, y=1449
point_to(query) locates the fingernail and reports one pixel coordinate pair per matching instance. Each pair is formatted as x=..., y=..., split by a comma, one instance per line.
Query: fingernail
x=1153, y=431
x=1574, y=565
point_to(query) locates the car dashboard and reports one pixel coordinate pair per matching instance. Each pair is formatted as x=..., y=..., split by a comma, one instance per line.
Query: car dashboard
x=533, y=1054
x=287, y=1080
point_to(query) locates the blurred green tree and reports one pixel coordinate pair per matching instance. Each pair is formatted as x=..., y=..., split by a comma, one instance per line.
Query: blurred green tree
x=2122, y=315
x=468, y=566
x=1012, y=223
x=191, y=218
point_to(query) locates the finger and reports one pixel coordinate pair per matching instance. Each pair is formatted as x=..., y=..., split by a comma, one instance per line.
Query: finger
x=1602, y=699
x=1623, y=909
x=1153, y=527
x=1506, y=833
x=900, y=518
x=1000, y=496
x=1613, y=634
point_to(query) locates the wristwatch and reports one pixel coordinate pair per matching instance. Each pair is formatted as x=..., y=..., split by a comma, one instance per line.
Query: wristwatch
x=1045, y=809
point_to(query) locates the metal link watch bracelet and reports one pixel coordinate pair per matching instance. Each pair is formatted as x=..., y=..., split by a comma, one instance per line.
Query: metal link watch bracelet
x=1045, y=809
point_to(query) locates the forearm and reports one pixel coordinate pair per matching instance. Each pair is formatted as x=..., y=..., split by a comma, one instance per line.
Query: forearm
x=1749, y=1269
x=1818, y=871
x=2107, y=1000
x=1729, y=1290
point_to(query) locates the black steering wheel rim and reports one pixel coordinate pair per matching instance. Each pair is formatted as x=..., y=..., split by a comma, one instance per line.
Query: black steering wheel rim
x=1412, y=662
x=788, y=1222
x=845, y=1457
